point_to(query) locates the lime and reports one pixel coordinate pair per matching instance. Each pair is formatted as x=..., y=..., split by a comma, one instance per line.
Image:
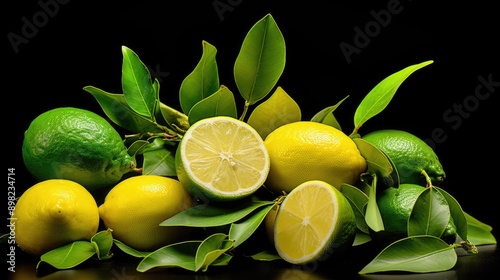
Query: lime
x=314, y=219
x=409, y=154
x=77, y=145
x=221, y=159
x=136, y=206
x=305, y=150
x=396, y=204
x=53, y=213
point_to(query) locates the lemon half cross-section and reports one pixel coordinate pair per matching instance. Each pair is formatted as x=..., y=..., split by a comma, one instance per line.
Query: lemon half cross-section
x=222, y=159
x=314, y=221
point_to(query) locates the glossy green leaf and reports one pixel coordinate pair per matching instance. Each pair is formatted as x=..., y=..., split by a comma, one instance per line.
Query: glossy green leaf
x=378, y=162
x=380, y=96
x=176, y=255
x=158, y=160
x=129, y=250
x=221, y=103
x=117, y=110
x=430, y=214
x=202, y=82
x=457, y=214
x=211, y=249
x=209, y=215
x=372, y=216
x=277, y=110
x=358, y=201
x=361, y=238
x=69, y=256
x=478, y=232
x=137, y=85
x=137, y=147
x=419, y=254
x=223, y=259
x=244, y=228
x=261, y=60
x=103, y=241
x=326, y=115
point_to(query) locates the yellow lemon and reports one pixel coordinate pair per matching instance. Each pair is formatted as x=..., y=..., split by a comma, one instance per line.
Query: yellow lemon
x=54, y=213
x=136, y=206
x=305, y=150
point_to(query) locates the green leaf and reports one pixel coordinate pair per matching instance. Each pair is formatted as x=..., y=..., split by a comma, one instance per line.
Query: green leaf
x=176, y=255
x=243, y=229
x=103, y=241
x=221, y=103
x=137, y=85
x=378, y=162
x=117, y=110
x=129, y=250
x=430, y=214
x=379, y=97
x=266, y=255
x=69, y=256
x=158, y=160
x=261, y=60
x=478, y=232
x=209, y=215
x=419, y=254
x=276, y=111
x=211, y=249
x=372, y=216
x=175, y=119
x=457, y=214
x=137, y=147
x=358, y=201
x=202, y=82
x=326, y=115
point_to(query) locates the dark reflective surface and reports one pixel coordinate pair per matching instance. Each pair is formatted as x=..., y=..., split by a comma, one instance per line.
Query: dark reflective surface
x=484, y=265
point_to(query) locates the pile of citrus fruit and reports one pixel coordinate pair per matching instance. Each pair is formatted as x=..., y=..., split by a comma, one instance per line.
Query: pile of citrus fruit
x=203, y=181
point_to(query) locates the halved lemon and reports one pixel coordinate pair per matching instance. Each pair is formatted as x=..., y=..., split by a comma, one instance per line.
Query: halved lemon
x=221, y=159
x=314, y=220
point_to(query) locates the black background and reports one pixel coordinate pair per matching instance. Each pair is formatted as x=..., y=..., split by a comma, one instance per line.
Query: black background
x=78, y=43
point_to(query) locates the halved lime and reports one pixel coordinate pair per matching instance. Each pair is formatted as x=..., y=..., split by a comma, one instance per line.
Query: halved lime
x=314, y=220
x=222, y=159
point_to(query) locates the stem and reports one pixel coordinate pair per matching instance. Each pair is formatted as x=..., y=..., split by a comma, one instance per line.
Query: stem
x=245, y=110
x=427, y=179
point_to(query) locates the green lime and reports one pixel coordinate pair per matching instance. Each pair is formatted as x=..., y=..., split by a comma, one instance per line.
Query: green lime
x=222, y=159
x=410, y=156
x=396, y=204
x=77, y=145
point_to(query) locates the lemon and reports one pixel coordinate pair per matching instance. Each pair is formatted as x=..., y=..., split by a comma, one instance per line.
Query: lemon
x=221, y=159
x=395, y=206
x=77, y=145
x=303, y=151
x=314, y=220
x=53, y=213
x=136, y=206
x=409, y=154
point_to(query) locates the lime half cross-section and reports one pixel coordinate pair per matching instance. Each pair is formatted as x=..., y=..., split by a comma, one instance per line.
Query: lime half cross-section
x=222, y=159
x=314, y=221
